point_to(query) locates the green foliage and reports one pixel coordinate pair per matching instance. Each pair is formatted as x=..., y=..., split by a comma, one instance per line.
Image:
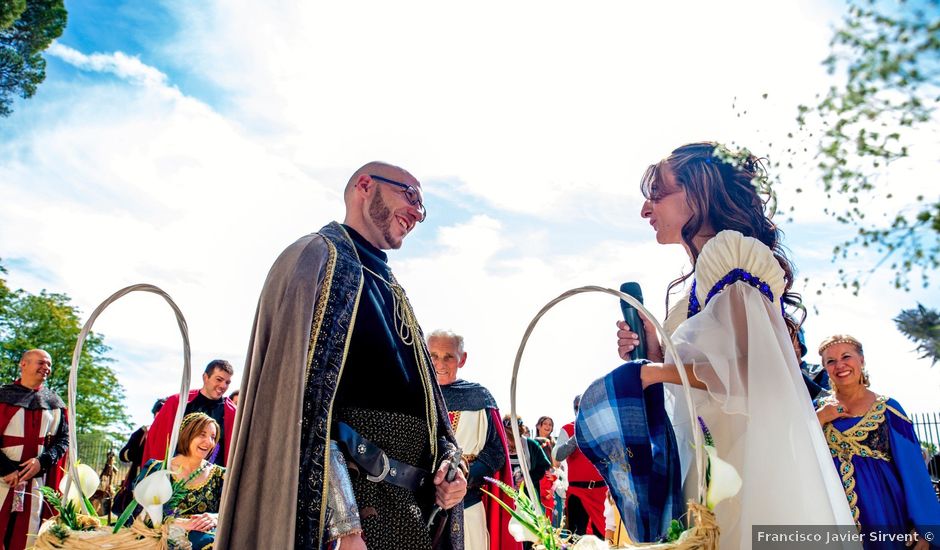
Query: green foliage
x=68, y=515
x=922, y=325
x=530, y=515
x=10, y=11
x=49, y=321
x=24, y=34
x=889, y=54
x=675, y=531
x=931, y=448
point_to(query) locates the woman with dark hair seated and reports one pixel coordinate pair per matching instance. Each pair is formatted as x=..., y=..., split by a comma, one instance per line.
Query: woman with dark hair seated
x=876, y=452
x=198, y=510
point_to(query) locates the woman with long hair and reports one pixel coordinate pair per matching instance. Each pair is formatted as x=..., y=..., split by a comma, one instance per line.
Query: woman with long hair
x=733, y=330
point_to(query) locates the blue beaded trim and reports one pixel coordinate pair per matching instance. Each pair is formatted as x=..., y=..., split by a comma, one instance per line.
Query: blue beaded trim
x=733, y=276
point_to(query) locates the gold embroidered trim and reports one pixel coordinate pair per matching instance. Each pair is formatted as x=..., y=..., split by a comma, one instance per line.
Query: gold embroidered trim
x=318, y=321
x=318, y=312
x=320, y=308
x=898, y=413
x=847, y=444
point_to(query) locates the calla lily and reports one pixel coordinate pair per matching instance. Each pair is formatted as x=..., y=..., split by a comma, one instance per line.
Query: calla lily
x=153, y=492
x=520, y=532
x=87, y=478
x=723, y=482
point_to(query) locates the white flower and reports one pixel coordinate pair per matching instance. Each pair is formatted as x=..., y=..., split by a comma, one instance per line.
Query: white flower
x=520, y=532
x=724, y=481
x=591, y=542
x=87, y=478
x=152, y=493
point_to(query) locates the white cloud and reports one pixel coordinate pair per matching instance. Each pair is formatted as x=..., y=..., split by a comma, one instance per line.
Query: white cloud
x=117, y=63
x=537, y=119
x=537, y=107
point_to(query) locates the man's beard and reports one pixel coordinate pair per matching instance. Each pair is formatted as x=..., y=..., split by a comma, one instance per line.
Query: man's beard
x=381, y=216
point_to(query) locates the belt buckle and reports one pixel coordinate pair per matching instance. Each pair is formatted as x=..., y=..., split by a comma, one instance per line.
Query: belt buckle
x=385, y=470
x=591, y=484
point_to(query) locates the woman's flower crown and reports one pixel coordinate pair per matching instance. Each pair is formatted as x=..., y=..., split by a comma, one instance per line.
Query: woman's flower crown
x=741, y=158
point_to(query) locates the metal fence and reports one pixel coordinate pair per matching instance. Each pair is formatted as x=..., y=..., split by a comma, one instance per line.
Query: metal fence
x=93, y=450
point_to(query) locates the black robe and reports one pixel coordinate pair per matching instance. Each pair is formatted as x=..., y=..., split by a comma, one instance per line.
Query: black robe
x=275, y=489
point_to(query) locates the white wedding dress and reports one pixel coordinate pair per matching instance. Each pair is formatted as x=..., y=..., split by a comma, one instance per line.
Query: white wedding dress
x=756, y=407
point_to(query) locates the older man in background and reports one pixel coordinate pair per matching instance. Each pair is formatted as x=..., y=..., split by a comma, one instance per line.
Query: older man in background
x=34, y=437
x=475, y=420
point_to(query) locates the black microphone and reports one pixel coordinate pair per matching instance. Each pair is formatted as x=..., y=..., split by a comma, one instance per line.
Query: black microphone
x=632, y=317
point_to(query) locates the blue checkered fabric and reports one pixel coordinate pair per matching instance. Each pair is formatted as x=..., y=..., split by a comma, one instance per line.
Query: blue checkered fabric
x=624, y=430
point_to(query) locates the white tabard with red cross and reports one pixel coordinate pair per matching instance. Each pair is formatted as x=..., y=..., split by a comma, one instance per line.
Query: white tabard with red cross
x=23, y=437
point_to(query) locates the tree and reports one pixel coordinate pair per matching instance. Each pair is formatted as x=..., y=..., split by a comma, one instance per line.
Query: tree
x=889, y=54
x=26, y=29
x=48, y=321
x=922, y=325
x=10, y=11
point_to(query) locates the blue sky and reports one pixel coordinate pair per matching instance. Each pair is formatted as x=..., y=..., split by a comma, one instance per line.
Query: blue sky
x=186, y=144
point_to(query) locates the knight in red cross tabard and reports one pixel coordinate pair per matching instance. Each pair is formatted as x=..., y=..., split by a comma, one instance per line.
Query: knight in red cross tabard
x=33, y=441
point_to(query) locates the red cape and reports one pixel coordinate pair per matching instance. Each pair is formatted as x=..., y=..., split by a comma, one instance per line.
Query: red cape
x=159, y=435
x=497, y=519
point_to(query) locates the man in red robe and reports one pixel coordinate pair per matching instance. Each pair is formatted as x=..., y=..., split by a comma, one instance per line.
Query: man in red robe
x=210, y=399
x=587, y=491
x=33, y=439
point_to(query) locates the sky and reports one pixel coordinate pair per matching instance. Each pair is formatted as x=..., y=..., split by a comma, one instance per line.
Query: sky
x=185, y=144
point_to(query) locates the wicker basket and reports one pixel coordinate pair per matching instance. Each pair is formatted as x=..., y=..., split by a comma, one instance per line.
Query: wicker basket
x=138, y=536
x=703, y=529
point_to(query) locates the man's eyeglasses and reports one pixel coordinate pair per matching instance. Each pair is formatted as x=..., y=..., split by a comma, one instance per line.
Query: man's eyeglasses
x=412, y=195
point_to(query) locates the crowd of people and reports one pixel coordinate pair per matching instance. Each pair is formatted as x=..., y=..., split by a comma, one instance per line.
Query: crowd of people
x=354, y=428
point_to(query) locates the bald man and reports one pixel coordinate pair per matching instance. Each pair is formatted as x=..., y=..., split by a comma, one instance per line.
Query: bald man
x=341, y=433
x=33, y=439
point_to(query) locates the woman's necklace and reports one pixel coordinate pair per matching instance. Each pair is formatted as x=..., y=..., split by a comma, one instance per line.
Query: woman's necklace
x=856, y=404
x=189, y=473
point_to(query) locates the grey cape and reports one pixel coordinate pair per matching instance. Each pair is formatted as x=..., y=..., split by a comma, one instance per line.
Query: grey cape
x=275, y=491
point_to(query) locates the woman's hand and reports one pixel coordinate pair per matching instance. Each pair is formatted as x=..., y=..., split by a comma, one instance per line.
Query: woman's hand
x=352, y=542
x=199, y=522
x=627, y=340
x=830, y=412
x=921, y=544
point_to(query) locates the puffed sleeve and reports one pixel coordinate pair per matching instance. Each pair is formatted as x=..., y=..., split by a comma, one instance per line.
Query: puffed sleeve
x=922, y=504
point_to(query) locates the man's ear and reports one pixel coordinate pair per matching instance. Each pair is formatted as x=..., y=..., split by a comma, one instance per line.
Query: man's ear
x=463, y=360
x=364, y=183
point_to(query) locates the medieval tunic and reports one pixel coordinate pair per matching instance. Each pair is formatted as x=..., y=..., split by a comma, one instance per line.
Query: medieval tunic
x=33, y=424
x=886, y=484
x=300, y=347
x=382, y=396
x=475, y=420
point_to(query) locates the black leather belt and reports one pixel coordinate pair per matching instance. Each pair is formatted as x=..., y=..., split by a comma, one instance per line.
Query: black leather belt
x=588, y=484
x=375, y=463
